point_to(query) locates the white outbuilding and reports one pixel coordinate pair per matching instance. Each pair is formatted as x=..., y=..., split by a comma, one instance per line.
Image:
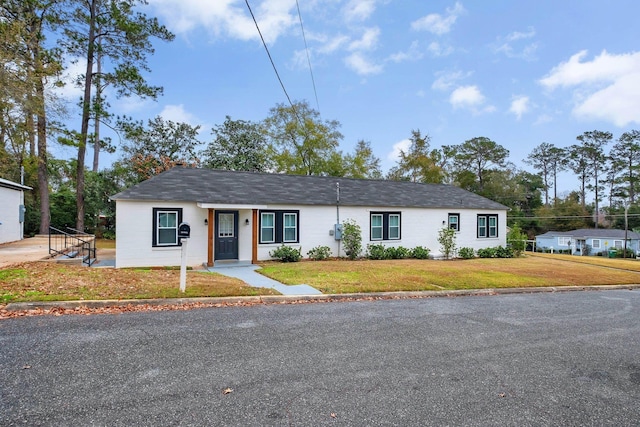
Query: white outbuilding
x=11, y=210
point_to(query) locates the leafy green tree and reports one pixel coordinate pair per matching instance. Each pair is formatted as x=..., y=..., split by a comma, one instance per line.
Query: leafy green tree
x=625, y=164
x=351, y=239
x=567, y=214
x=547, y=159
x=238, y=145
x=578, y=163
x=447, y=240
x=517, y=240
x=593, y=143
x=302, y=142
x=362, y=163
x=100, y=210
x=118, y=33
x=478, y=155
x=419, y=163
x=158, y=147
x=28, y=65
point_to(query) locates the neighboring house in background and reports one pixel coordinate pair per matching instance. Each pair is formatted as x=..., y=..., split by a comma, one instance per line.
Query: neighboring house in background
x=245, y=215
x=588, y=241
x=11, y=210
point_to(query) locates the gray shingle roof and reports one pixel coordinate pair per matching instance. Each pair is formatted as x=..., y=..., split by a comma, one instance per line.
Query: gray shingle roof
x=598, y=233
x=231, y=187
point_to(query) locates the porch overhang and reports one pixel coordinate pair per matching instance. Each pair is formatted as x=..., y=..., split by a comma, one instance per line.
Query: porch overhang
x=228, y=206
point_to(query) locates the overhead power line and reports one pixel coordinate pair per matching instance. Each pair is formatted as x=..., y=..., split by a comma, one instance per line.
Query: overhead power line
x=306, y=48
x=270, y=58
x=572, y=216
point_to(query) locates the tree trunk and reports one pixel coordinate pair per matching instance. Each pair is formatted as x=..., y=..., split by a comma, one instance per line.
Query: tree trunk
x=43, y=178
x=96, y=123
x=86, y=110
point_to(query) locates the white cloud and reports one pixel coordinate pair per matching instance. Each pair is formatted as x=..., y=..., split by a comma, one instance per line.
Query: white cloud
x=518, y=35
x=368, y=41
x=470, y=97
x=403, y=145
x=436, y=49
x=333, y=44
x=71, y=91
x=519, y=105
x=439, y=24
x=606, y=88
x=361, y=65
x=178, y=114
x=447, y=80
x=228, y=17
x=542, y=119
x=359, y=10
x=618, y=103
x=413, y=54
x=512, y=47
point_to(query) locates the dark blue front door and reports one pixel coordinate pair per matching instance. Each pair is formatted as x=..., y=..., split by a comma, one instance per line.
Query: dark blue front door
x=226, y=235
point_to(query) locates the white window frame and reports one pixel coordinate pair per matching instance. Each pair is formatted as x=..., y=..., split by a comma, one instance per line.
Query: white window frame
x=286, y=227
x=377, y=227
x=456, y=223
x=595, y=245
x=160, y=227
x=483, y=226
x=492, y=229
x=564, y=240
x=272, y=227
x=484, y=222
x=394, y=227
x=618, y=244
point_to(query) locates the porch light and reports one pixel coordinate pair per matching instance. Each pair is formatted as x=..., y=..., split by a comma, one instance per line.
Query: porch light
x=206, y=221
x=246, y=221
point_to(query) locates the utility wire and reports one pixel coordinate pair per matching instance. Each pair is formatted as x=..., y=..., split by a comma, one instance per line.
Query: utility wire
x=572, y=216
x=304, y=37
x=272, y=63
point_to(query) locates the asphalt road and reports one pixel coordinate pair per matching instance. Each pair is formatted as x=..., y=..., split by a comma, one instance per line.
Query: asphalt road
x=545, y=359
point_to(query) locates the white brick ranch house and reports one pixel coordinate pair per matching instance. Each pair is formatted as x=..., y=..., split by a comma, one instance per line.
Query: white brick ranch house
x=245, y=215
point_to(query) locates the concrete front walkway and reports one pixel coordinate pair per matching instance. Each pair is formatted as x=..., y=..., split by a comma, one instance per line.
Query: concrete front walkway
x=247, y=273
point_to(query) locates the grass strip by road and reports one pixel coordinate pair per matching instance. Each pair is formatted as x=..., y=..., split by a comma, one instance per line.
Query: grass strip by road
x=48, y=281
x=341, y=276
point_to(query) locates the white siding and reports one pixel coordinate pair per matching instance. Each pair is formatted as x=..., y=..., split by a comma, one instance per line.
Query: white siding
x=419, y=227
x=134, y=233
x=11, y=228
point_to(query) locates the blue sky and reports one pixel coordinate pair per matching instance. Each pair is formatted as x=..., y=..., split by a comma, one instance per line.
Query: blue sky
x=520, y=73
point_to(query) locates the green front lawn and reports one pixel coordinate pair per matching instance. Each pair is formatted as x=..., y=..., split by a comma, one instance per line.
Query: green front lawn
x=341, y=276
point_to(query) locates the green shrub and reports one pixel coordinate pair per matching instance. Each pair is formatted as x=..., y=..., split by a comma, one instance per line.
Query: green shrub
x=487, y=253
x=397, y=252
x=375, y=251
x=286, y=254
x=466, y=253
x=319, y=253
x=351, y=239
x=420, y=253
x=517, y=240
x=496, y=252
x=447, y=240
x=620, y=253
x=504, y=252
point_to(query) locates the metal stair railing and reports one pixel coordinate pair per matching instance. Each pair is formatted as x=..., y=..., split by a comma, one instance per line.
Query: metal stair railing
x=72, y=243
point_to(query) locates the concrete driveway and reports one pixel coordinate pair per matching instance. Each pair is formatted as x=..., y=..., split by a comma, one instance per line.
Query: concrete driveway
x=552, y=359
x=29, y=249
